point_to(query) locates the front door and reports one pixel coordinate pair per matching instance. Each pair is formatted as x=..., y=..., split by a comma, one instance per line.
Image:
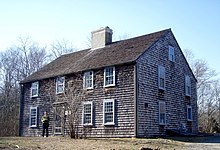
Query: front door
x=58, y=121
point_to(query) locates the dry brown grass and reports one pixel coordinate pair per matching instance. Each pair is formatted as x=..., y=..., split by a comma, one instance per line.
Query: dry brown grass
x=64, y=143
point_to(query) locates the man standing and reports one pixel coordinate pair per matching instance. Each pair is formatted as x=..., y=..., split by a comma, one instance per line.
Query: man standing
x=45, y=121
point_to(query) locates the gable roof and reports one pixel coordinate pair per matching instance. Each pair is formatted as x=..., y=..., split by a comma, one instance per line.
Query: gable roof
x=120, y=52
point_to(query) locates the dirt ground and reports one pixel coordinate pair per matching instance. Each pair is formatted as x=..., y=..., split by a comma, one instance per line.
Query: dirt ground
x=65, y=143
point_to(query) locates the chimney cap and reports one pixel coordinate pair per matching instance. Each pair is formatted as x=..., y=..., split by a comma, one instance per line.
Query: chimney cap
x=106, y=29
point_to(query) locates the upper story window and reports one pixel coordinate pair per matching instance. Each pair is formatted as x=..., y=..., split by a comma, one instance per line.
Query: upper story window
x=33, y=117
x=60, y=82
x=34, y=89
x=161, y=77
x=109, y=112
x=162, y=113
x=87, y=113
x=189, y=113
x=187, y=86
x=88, y=80
x=109, y=76
x=171, y=54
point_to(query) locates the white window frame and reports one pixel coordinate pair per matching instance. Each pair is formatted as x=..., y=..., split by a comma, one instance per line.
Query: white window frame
x=113, y=75
x=113, y=111
x=161, y=75
x=86, y=74
x=36, y=117
x=35, y=86
x=187, y=85
x=162, y=123
x=189, y=107
x=60, y=84
x=171, y=54
x=91, y=113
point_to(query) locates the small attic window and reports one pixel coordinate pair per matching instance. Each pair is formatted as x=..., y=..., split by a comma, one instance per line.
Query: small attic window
x=171, y=54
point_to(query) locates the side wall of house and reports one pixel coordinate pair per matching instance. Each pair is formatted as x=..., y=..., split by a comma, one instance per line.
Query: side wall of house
x=122, y=93
x=148, y=94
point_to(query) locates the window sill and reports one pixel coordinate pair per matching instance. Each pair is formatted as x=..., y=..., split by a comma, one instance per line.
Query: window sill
x=162, y=124
x=60, y=93
x=187, y=95
x=109, y=124
x=90, y=88
x=162, y=89
x=34, y=96
x=87, y=125
x=110, y=85
x=33, y=126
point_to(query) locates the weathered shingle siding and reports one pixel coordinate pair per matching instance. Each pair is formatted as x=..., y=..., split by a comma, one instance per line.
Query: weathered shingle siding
x=148, y=94
x=123, y=93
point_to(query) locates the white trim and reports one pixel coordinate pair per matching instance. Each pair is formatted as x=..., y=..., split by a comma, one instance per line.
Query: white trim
x=37, y=88
x=84, y=79
x=62, y=84
x=113, y=84
x=187, y=85
x=36, y=117
x=161, y=74
x=171, y=53
x=162, y=123
x=113, y=111
x=87, y=124
x=189, y=107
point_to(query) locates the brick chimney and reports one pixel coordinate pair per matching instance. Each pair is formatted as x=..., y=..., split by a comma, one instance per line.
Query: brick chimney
x=101, y=37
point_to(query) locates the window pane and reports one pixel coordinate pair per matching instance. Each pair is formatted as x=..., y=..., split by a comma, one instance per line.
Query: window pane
x=87, y=118
x=162, y=82
x=60, y=89
x=108, y=117
x=108, y=106
x=34, y=92
x=33, y=117
x=109, y=76
x=189, y=113
x=109, y=80
x=162, y=118
x=88, y=79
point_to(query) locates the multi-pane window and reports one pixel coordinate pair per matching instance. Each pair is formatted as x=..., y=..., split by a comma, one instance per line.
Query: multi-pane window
x=34, y=89
x=60, y=82
x=88, y=80
x=109, y=112
x=161, y=77
x=162, y=113
x=187, y=86
x=33, y=117
x=189, y=113
x=109, y=76
x=171, y=54
x=87, y=113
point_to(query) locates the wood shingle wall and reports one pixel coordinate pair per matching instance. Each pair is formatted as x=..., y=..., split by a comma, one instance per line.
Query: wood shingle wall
x=122, y=93
x=148, y=95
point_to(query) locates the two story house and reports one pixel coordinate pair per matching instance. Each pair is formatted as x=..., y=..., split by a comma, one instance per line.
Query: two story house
x=138, y=87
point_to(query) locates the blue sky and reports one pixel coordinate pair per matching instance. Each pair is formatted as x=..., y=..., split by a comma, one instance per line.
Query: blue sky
x=195, y=23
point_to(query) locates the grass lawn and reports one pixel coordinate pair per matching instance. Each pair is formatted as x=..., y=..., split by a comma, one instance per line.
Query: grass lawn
x=65, y=143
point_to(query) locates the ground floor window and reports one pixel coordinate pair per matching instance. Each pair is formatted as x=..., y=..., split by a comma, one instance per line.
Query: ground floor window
x=33, y=116
x=87, y=113
x=109, y=112
x=189, y=113
x=162, y=113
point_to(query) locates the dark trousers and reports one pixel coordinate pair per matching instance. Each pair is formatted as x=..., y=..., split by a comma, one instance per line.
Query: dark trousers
x=45, y=127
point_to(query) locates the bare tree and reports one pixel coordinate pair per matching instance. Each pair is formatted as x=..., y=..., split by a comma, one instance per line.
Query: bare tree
x=16, y=63
x=61, y=47
x=207, y=92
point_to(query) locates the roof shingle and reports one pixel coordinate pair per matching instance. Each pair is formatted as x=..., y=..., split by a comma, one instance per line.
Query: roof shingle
x=116, y=53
